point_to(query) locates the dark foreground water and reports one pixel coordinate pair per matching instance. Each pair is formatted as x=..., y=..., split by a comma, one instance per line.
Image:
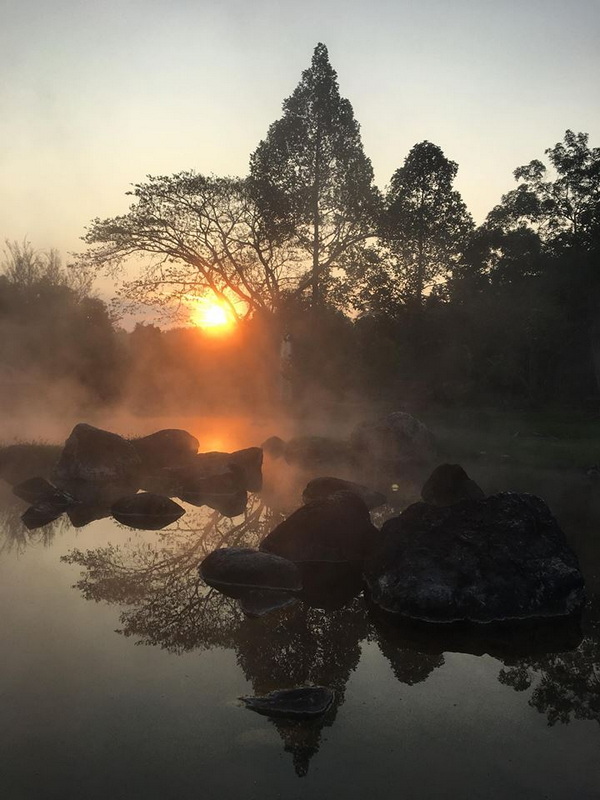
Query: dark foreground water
x=120, y=675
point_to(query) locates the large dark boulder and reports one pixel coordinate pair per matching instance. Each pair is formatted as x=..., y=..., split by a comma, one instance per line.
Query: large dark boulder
x=501, y=558
x=334, y=529
x=243, y=567
x=325, y=487
x=146, y=511
x=393, y=441
x=95, y=456
x=166, y=448
x=449, y=484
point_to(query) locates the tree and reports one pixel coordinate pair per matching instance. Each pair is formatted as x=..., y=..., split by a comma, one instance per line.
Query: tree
x=426, y=226
x=205, y=234
x=310, y=176
x=563, y=207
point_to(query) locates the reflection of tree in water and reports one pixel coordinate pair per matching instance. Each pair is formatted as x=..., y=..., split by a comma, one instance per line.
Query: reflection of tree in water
x=167, y=604
x=564, y=685
x=302, y=646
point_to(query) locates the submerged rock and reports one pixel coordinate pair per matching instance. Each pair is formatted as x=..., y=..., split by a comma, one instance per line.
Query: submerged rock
x=95, y=456
x=325, y=487
x=393, y=441
x=170, y=447
x=335, y=529
x=500, y=558
x=449, y=484
x=304, y=702
x=245, y=567
x=146, y=511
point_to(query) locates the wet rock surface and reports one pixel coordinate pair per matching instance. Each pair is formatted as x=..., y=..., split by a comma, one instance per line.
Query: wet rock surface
x=247, y=568
x=324, y=487
x=449, y=484
x=147, y=511
x=304, y=702
x=500, y=558
x=334, y=529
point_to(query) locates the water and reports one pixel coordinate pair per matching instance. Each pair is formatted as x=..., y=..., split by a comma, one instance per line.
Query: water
x=121, y=673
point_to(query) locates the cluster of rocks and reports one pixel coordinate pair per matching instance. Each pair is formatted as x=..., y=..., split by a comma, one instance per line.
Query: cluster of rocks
x=99, y=473
x=456, y=556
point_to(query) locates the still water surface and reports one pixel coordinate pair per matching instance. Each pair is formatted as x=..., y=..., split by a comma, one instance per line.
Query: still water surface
x=121, y=673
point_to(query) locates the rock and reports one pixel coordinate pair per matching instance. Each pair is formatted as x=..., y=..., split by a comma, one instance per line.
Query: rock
x=325, y=487
x=500, y=558
x=245, y=567
x=166, y=448
x=311, y=452
x=146, y=511
x=38, y=490
x=274, y=447
x=449, y=484
x=94, y=456
x=304, y=702
x=41, y=514
x=18, y=462
x=258, y=602
x=83, y=514
x=245, y=465
x=393, y=441
x=334, y=529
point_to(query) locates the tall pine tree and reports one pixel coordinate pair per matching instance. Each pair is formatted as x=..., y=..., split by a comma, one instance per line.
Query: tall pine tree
x=311, y=177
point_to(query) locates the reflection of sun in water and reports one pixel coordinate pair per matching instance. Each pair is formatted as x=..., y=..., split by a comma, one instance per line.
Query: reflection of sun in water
x=211, y=316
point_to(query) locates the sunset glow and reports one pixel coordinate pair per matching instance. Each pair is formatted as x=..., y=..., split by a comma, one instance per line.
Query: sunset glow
x=211, y=316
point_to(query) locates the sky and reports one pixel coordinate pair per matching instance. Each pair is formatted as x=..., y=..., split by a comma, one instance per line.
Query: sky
x=95, y=95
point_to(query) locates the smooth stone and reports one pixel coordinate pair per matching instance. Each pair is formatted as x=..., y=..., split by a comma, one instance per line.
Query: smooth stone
x=245, y=567
x=304, y=702
x=146, y=511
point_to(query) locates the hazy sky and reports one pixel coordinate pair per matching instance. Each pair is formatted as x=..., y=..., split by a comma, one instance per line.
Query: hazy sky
x=96, y=94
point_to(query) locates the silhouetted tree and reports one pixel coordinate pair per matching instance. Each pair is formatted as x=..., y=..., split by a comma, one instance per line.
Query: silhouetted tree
x=427, y=226
x=203, y=235
x=310, y=175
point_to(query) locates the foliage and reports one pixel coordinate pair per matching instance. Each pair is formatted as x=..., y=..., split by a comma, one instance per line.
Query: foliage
x=310, y=176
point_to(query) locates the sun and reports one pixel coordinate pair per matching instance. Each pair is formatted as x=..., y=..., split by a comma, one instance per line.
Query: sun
x=211, y=316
